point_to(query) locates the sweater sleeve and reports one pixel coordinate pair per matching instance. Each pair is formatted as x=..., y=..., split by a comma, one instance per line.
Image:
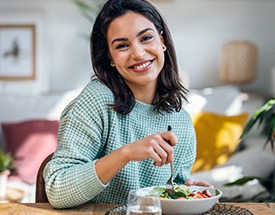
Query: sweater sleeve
x=188, y=157
x=70, y=176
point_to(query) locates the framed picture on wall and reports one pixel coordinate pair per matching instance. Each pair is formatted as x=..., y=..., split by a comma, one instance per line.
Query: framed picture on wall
x=17, y=52
x=23, y=53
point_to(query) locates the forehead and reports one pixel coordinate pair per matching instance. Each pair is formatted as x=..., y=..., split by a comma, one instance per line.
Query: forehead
x=130, y=23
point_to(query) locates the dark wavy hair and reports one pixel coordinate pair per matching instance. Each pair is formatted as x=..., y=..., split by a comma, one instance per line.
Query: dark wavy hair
x=170, y=92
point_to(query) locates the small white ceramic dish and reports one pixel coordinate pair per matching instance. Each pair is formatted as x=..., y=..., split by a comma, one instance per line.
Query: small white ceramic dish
x=190, y=206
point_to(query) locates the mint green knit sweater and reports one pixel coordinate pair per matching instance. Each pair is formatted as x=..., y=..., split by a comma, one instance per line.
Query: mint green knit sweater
x=90, y=129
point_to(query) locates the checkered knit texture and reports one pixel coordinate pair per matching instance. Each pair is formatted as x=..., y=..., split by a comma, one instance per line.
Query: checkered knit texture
x=90, y=129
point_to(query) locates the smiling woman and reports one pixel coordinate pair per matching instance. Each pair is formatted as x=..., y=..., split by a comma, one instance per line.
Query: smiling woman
x=113, y=136
x=137, y=53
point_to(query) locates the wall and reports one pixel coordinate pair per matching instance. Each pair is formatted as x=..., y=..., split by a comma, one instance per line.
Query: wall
x=199, y=29
x=66, y=53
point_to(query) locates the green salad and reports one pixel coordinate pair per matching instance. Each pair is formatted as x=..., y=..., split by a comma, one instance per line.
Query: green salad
x=183, y=192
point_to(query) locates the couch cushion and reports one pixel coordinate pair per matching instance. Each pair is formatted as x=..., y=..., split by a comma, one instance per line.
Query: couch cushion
x=217, y=138
x=261, y=161
x=252, y=161
x=209, y=100
x=30, y=142
x=222, y=175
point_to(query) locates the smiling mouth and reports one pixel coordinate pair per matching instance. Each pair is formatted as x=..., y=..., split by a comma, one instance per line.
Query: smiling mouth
x=142, y=66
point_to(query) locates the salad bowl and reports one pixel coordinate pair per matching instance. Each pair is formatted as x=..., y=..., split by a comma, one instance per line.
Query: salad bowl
x=192, y=205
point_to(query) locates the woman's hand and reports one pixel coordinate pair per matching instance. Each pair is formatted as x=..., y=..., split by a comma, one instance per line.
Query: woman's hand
x=190, y=182
x=158, y=147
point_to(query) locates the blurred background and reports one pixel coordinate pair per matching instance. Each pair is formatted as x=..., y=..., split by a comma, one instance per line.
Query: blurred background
x=226, y=53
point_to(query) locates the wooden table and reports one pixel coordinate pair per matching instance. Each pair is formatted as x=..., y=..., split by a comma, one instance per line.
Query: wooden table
x=99, y=209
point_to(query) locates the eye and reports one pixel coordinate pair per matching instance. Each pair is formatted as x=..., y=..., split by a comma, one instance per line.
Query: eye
x=146, y=38
x=122, y=46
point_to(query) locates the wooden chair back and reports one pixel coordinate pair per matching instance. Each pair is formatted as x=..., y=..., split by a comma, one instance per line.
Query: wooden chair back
x=40, y=194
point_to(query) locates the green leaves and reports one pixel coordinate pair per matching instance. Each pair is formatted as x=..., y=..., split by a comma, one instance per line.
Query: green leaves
x=180, y=191
x=162, y=192
x=6, y=161
x=245, y=179
x=263, y=116
x=89, y=9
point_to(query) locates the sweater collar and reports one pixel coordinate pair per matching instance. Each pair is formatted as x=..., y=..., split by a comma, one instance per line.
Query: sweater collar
x=144, y=108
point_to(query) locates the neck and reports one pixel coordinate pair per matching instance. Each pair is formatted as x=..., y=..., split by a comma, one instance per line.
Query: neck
x=144, y=94
x=144, y=97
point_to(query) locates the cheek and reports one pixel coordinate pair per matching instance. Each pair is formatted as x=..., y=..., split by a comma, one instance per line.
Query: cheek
x=121, y=69
x=161, y=55
x=120, y=57
x=158, y=49
x=161, y=60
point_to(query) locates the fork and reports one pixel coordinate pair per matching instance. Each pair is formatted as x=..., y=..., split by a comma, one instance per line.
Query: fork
x=170, y=183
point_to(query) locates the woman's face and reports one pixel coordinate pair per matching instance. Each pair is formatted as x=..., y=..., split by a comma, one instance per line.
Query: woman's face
x=137, y=50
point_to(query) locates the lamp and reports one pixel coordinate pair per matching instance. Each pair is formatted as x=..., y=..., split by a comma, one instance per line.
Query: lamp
x=238, y=62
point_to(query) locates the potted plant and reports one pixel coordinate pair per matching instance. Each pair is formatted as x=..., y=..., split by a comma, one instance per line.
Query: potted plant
x=6, y=164
x=264, y=117
x=89, y=9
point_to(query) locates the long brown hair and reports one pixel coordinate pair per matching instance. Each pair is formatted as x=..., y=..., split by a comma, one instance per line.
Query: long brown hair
x=169, y=93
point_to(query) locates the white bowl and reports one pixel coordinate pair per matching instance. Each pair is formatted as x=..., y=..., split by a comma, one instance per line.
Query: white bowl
x=190, y=206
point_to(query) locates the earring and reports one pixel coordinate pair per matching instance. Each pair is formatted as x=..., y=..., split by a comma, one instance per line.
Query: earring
x=112, y=64
x=164, y=48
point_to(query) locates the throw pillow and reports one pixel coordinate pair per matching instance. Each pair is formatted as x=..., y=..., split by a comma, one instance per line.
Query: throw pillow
x=30, y=142
x=217, y=138
x=261, y=161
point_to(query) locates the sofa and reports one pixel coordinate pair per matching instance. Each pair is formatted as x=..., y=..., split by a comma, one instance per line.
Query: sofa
x=23, y=117
x=29, y=126
x=219, y=115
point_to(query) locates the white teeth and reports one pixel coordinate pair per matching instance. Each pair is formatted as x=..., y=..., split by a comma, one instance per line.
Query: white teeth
x=142, y=66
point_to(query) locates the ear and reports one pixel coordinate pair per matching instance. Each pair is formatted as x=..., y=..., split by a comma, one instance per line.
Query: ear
x=112, y=63
x=162, y=40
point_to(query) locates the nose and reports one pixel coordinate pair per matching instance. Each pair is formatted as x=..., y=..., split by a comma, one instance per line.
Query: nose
x=137, y=52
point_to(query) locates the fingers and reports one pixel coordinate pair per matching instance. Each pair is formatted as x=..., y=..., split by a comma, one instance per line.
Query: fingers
x=169, y=137
x=163, y=146
x=162, y=152
x=158, y=147
x=190, y=182
x=203, y=183
x=165, y=154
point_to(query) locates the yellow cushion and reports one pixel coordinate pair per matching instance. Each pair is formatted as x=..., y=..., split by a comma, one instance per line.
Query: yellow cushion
x=217, y=138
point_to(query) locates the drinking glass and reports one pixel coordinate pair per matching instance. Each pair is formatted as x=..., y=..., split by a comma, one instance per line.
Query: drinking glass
x=143, y=201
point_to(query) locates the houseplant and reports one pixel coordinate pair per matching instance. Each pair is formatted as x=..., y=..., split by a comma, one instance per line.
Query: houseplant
x=264, y=117
x=6, y=164
x=89, y=9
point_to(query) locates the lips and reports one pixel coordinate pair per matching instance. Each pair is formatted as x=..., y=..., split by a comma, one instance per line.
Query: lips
x=141, y=66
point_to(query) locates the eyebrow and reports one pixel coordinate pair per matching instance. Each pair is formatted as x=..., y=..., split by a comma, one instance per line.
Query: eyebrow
x=137, y=35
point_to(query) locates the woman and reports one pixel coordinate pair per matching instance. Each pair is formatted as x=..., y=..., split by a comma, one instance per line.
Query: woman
x=113, y=137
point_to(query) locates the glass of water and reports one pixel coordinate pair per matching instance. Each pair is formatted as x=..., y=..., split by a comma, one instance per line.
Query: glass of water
x=143, y=201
